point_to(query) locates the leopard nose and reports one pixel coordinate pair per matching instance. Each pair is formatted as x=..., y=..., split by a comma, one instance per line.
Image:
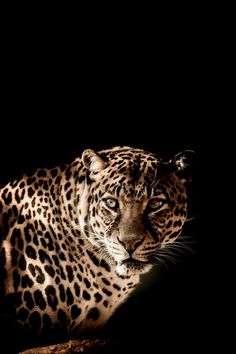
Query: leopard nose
x=131, y=244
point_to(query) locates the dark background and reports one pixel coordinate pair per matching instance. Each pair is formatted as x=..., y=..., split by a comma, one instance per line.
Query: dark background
x=62, y=94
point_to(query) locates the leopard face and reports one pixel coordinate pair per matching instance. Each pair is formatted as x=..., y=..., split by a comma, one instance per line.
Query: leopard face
x=133, y=208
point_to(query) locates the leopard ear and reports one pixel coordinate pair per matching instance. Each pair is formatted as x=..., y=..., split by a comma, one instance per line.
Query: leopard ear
x=182, y=160
x=93, y=162
x=181, y=164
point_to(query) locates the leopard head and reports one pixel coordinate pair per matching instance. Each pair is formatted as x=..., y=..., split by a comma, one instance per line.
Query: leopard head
x=134, y=204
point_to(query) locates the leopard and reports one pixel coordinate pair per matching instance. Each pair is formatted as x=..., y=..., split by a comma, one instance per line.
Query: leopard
x=76, y=238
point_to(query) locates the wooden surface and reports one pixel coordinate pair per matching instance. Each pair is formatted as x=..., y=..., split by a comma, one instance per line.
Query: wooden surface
x=75, y=346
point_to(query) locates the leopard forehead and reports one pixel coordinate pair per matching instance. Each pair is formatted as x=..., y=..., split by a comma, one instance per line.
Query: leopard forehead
x=129, y=155
x=132, y=173
x=130, y=168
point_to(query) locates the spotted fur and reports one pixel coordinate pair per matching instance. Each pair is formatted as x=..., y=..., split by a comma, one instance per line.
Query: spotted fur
x=75, y=239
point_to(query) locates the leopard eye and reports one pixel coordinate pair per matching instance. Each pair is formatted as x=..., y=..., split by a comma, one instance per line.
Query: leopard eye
x=156, y=204
x=111, y=203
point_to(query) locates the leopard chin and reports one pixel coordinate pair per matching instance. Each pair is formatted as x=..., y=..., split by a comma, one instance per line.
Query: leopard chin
x=132, y=267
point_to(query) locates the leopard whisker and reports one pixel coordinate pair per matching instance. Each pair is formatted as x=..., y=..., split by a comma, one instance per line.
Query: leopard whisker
x=194, y=217
x=179, y=246
x=168, y=257
x=160, y=260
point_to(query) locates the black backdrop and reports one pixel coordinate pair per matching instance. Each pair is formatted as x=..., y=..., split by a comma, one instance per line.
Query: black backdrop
x=53, y=107
x=177, y=301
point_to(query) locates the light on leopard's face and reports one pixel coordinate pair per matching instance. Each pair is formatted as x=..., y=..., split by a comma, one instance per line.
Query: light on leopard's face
x=131, y=218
